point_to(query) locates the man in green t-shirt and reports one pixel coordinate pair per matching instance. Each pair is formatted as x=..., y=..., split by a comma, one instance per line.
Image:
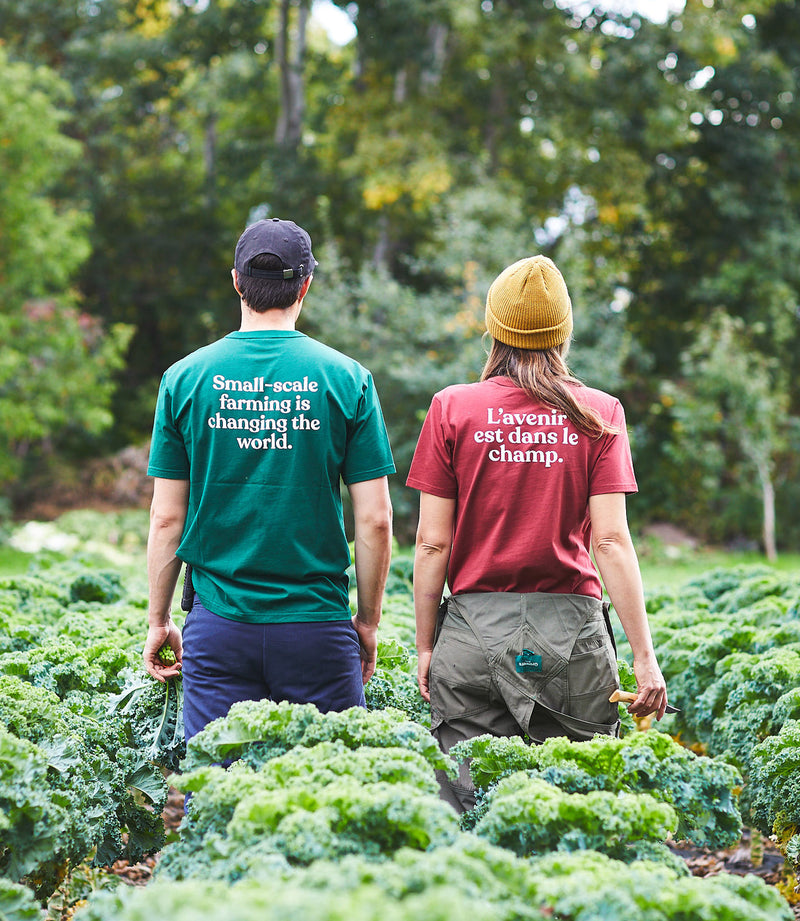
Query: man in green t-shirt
x=252, y=436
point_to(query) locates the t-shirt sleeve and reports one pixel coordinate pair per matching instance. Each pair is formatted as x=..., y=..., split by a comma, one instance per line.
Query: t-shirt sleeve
x=168, y=457
x=369, y=454
x=612, y=468
x=432, y=466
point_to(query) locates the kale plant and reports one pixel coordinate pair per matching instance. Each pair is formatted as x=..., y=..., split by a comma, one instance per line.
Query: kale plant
x=703, y=791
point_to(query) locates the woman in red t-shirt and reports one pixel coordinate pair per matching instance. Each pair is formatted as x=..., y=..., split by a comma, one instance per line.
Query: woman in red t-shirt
x=522, y=476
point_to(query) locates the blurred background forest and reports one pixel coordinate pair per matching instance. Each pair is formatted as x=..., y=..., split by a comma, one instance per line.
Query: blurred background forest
x=657, y=161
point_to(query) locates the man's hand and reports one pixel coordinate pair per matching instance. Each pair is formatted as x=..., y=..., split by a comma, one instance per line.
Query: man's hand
x=368, y=640
x=157, y=636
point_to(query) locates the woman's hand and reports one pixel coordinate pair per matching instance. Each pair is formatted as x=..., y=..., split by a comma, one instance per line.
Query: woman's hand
x=651, y=689
x=423, y=673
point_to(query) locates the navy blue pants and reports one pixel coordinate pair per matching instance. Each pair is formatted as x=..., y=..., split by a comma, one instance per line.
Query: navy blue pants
x=225, y=661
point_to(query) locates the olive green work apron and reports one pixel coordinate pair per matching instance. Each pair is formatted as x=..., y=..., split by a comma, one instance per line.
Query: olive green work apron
x=535, y=665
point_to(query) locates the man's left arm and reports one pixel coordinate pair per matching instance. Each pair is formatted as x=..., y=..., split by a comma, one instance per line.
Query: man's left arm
x=167, y=519
x=372, y=513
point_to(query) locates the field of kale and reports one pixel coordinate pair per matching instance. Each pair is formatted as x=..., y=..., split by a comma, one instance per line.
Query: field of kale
x=336, y=816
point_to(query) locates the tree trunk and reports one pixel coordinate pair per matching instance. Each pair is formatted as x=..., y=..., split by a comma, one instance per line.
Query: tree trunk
x=431, y=76
x=768, y=500
x=290, y=52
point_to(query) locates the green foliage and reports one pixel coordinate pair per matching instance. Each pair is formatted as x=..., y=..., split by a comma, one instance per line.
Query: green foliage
x=469, y=878
x=594, y=888
x=64, y=661
x=152, y=712
x=775, y=778
x=34, y=156
x=105, y=587
x=17, y=903
x=338, y=815
x=251, y=901
x=732, y=662
x=701, y=790
x=720, y=581
x=312, y=803
x=259, y=730
x=35, y=820
x=57, y=367
x=729, y=655
x=530, y=816
x=62, y=666
x=91, y=771
x=394, y=684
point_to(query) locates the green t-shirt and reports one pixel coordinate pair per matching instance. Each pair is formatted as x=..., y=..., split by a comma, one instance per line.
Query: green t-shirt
x=263, y=425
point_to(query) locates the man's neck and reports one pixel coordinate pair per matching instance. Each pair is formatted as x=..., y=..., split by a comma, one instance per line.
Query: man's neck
x=284, y=319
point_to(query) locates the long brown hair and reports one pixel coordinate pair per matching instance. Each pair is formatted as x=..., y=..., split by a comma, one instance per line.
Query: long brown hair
x=545, y=377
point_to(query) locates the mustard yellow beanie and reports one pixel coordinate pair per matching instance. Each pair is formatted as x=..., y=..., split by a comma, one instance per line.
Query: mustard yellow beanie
x=528, y=305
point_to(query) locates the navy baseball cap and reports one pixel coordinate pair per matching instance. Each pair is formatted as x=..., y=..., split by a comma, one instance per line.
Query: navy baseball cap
x=284, y=239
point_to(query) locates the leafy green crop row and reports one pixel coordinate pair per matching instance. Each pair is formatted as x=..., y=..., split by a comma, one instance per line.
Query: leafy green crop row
x=466, y=879
x=333, y=816
x=82, y=778
x=699, y=789
x=729, y=645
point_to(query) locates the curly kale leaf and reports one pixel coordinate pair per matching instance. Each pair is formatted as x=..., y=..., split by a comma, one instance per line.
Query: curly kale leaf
x=104, y=586
x=592, y=887
x=753, y=589
x=468, y=878
x=216, y=791
x=723, y=580
x=60, y=665
x=774, y=789
x=321, y=802
x=260, y=730
x=91, y=771
x=17, y=903
x=702, y=790
x=529, y=816
x=736, y=711
x=152, y=712
x=34, y=818
x=252, y=900
x=309, y=804
x=393, y=688
x=394, y=684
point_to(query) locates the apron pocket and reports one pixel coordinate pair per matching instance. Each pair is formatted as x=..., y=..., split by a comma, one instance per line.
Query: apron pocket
x=460, y=682
x=591, y=677
x=576, y=729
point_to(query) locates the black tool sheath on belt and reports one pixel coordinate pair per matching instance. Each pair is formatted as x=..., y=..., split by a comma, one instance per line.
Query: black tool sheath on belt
x=187, y=597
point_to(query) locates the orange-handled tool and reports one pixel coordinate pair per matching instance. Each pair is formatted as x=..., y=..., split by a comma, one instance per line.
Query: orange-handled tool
x=628, y=697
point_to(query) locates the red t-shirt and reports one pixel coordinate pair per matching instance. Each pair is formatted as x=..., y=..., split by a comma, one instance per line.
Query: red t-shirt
x=521, y=475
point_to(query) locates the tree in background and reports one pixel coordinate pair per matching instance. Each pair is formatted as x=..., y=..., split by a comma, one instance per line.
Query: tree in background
x=57, y=366
x=730, y=422
x=657, y=163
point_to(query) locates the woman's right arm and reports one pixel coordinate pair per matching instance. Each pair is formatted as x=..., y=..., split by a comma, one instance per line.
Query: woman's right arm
x=616, y=559
x=431, y=556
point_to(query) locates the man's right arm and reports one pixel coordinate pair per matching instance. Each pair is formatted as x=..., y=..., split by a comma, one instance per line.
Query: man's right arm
x=167, y=518
x=372, y=513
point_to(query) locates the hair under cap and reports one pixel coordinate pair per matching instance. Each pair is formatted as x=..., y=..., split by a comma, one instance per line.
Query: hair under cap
x=528, y=305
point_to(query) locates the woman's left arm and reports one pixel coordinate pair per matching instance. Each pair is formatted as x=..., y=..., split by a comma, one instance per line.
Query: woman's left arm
x=616, y=559
x=432, y=554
